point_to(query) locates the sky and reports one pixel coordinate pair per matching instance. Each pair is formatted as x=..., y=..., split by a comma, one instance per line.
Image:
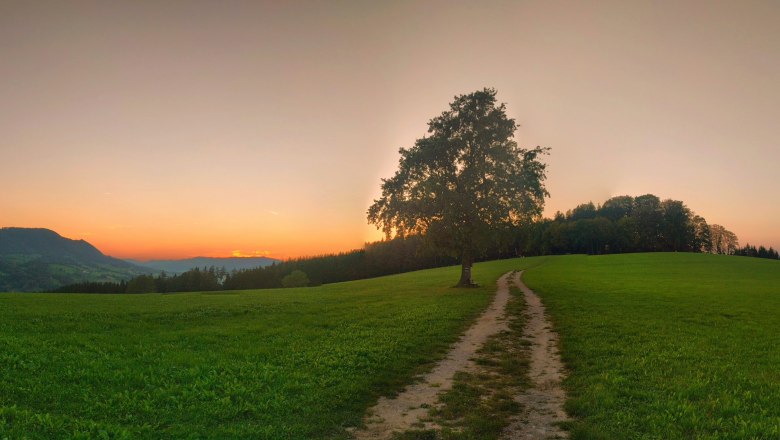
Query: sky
x=202, y=128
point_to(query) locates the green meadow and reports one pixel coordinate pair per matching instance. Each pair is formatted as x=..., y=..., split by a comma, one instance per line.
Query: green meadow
x=667, y=346
x=273, y=364
x=658, y=346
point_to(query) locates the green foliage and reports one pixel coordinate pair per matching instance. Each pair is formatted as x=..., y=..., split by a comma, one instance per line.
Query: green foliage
x=723, y=241
x=667, y=345
x=298, y=363
x=193, y=280
x=465, y=184
x=760, y=252
x=402, y=254
x=622, y=224
x=142, y=284
x=296, y=278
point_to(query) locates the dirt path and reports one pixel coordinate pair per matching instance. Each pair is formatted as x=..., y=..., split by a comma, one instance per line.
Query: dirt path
x=543, y=402
x=406, y=410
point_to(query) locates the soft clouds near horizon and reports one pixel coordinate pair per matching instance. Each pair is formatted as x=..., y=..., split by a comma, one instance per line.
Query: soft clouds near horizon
x=178, y=129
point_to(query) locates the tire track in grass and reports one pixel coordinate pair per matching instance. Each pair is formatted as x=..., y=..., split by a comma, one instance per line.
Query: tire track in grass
x=408, y=409
x=542, y=403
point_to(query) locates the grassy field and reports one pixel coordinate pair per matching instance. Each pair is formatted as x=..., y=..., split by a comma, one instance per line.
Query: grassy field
x=671, y=346
x=667, y=346
x=293, y=363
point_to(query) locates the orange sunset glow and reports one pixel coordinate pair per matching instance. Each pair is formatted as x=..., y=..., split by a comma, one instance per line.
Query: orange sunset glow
x=179, y=129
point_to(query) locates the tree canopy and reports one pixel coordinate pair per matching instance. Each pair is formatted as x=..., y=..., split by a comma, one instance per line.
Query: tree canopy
x=465, y=184
x=626, y=224
x=296, y=278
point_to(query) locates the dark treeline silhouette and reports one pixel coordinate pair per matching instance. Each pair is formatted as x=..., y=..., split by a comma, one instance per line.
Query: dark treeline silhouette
x=194, y=280
x=760, y=252
x=375, y=259
x=93, y=287
x=625, y=224
x=619, y=225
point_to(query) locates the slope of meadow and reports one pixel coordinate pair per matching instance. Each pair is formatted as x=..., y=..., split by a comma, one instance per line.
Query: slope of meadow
x=293, y=363
x=658, y=346
x=667, y=346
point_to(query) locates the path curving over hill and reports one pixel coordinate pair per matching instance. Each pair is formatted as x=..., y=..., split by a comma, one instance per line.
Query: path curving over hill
x=542, y=403
x=407, y=410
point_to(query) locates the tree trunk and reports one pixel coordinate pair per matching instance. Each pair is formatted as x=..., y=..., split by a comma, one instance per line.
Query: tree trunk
x=465, y=272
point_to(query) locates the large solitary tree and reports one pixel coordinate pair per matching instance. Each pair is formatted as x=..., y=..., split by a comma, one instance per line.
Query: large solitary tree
x=465, y=184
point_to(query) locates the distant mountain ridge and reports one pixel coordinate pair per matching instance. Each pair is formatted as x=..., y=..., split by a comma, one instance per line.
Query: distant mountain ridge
x=35, y=259
x=229, y=263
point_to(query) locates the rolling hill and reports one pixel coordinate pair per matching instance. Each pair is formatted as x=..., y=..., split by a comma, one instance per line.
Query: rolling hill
x=35, y=259
x=664, y=345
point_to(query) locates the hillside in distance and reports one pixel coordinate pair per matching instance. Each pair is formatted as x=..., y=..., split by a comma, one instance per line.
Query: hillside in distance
x=35, y=259
x=230, y=263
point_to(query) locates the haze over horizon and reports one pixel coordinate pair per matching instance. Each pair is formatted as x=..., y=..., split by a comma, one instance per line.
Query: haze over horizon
x=183, y=129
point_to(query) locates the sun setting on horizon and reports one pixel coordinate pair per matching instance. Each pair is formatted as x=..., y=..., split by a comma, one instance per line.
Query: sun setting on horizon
x=192, y=129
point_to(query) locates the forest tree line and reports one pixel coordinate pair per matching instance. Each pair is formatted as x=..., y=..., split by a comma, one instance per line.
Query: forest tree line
x=626, y=224
x=621, y=224
x=375, y=259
